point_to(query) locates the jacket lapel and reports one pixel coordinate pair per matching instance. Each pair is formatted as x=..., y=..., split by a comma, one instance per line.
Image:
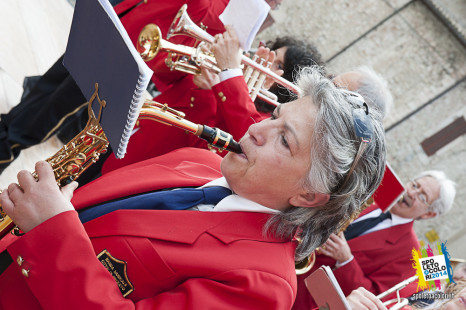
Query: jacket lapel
x=167, y=171
x=180, y=226
x=378, y=239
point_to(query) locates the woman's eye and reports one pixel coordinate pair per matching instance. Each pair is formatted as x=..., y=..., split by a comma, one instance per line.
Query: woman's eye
x=284, y=142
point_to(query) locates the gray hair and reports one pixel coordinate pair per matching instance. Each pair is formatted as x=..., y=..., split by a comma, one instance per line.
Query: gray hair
x=335, y=146
x=447, y=191
x=374, y=88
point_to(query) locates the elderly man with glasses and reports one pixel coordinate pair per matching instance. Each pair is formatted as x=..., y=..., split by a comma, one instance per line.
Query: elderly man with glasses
x=375, y=250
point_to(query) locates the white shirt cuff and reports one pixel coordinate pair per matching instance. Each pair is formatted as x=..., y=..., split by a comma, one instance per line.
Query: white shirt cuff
x=230, y=73
x=338, y=265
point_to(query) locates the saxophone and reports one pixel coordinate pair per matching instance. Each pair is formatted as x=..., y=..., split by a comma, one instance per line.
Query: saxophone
x=85, y=149
x=72, y=159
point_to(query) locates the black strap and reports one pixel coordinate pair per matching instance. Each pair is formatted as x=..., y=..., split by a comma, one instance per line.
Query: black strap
x=5, y=261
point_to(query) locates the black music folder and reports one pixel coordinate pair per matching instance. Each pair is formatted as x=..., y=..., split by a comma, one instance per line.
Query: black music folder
x=100, y=51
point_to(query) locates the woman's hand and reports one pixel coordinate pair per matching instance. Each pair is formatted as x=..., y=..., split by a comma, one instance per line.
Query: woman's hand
x=30, y=202
x=268, y=56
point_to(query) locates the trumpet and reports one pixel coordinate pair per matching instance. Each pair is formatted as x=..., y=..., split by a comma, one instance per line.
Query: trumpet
x=150, y=43
x=398, y=302
x=183, y=25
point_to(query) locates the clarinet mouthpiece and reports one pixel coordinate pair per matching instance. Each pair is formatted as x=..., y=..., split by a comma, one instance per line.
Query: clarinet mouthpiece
x=220, y=139
x=234, y=147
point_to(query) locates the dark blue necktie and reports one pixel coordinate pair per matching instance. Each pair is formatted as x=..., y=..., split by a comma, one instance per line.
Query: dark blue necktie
x=358, y=228
x=178, y=199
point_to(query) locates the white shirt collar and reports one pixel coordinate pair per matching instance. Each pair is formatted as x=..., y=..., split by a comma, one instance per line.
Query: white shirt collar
x=234, y=202
x=394, y=221
x=398, y=220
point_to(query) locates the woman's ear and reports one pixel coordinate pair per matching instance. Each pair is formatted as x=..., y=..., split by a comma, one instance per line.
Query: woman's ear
x=309, y=200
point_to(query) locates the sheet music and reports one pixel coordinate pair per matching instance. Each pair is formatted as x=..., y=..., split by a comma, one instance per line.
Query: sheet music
x=246, y=17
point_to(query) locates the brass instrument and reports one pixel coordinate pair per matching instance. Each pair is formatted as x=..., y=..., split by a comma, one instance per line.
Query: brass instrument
x=306, y=264
x=72, y=159
x=398, y=302
x=149, y=44
x=183, y=25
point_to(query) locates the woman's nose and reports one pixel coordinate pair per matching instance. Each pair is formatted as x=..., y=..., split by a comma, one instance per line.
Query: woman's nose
x=259, y=132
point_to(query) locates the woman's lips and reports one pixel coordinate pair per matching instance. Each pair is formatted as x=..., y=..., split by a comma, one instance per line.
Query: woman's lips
x=243, y=154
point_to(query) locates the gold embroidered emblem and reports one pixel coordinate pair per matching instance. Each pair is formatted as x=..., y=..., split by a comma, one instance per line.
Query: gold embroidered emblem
x=117, y=269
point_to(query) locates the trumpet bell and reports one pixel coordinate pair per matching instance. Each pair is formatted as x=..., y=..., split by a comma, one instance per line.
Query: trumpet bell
x=148, y=43
x=179, y=22
x=183, y=25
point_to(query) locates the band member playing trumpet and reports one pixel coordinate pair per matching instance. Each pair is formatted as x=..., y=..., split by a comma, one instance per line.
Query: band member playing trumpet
x=303, y=172
x=375, y=251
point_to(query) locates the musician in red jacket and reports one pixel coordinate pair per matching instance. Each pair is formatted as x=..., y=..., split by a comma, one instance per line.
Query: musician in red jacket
x=135, y=14
x=125, y=250
x=378, y=256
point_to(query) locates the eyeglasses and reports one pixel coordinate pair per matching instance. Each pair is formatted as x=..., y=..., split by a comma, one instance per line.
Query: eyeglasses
x=362, y=123
x=420, y=195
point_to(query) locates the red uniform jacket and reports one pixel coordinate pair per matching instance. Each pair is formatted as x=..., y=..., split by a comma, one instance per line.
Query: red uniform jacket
x=174, y=259
x=381, y=260
x=233, y=114
x=140, y=13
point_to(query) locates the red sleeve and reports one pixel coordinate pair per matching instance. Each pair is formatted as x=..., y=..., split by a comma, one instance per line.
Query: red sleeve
x=351, y=276
x=236, y=110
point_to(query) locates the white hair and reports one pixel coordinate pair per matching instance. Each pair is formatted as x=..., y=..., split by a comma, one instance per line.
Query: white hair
x=447, y=191
x=374, y=89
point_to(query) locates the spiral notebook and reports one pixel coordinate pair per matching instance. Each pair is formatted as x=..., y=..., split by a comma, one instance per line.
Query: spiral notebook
x=100, y=51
